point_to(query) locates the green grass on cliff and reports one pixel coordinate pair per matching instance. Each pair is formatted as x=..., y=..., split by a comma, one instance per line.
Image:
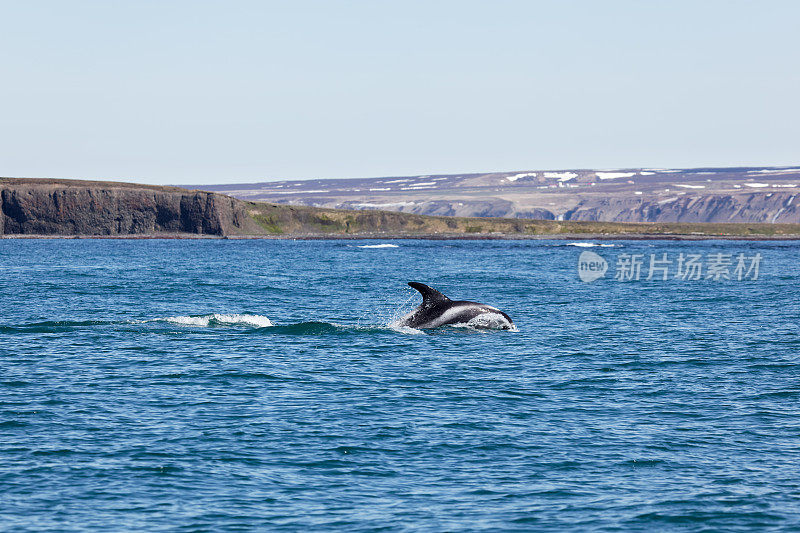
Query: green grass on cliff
x=311, y=221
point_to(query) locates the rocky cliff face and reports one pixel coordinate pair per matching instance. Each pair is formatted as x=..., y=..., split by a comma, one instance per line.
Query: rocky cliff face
x=716, y=195
x=491, y=207
x=777, y=207
x=64, y=207
x=769, y=207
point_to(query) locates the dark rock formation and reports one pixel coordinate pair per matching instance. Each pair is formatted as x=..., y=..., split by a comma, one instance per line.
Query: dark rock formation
x=65, y=207
x=537, y=213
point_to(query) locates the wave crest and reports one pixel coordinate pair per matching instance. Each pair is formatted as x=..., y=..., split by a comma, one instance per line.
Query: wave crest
x=217, y=319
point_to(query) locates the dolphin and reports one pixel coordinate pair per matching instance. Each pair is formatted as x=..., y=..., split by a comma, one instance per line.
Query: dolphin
x=437, y=310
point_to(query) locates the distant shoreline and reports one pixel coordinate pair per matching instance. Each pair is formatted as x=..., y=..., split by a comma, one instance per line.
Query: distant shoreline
x=427, y=237
x=72, y=209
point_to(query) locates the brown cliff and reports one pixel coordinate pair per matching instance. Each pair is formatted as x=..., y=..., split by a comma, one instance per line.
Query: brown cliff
x=73, y=207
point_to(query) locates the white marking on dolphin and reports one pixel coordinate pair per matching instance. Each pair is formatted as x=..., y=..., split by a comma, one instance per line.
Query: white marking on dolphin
x=437, y=310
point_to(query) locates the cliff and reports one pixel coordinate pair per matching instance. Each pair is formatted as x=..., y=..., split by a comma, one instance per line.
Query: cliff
x=760, y=207
x=73, y=207
x=45, y=207
x=713, y=195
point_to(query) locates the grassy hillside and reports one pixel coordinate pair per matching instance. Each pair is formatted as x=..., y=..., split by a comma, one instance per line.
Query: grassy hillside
x=61, y=183
x=278, y=219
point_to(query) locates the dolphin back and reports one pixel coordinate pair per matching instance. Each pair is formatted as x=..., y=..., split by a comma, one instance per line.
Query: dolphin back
x=430, y=297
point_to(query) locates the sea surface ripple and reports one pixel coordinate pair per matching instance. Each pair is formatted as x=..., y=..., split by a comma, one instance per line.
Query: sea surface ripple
x=227, y=385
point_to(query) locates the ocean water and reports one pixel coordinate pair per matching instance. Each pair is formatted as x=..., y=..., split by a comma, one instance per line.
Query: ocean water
x=227, y=385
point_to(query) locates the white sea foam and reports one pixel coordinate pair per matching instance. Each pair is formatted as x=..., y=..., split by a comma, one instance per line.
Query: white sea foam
x=590, y=244
x=257, y=321
x=406, y=329
x=378, y=246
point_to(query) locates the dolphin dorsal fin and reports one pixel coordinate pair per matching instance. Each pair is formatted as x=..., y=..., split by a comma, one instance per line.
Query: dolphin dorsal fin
x=429, y=296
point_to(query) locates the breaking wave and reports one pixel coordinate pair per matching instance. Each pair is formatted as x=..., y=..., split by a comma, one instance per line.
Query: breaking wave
x=405, y=329
x=216, y=319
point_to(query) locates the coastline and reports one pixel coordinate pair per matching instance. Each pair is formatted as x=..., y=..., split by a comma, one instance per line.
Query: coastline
x=74, y=209
x=427, y=236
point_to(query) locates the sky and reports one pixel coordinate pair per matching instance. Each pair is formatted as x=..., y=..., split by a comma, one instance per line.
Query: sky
x=204, y=92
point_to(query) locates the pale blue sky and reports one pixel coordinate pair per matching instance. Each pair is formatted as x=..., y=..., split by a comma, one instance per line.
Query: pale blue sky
x=234, y=91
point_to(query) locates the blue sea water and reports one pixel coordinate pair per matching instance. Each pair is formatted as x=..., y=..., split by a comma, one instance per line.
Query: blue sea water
x=143, y=388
